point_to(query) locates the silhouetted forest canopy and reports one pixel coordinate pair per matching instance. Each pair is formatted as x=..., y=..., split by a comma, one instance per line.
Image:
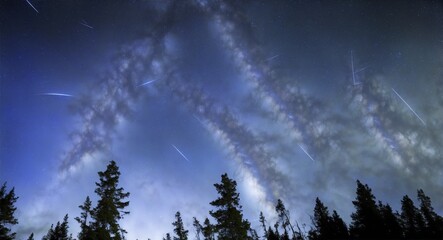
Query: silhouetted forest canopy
x=371, y=219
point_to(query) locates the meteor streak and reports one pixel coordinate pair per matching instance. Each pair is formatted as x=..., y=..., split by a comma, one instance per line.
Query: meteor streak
x=146, y=83
x=180, y=153
x=84, y=23
x=307, y=154
x=409, y=107
x=30, y=4
x=198, y=119
x=56, y=94
x=273, y=57
x=361, y=69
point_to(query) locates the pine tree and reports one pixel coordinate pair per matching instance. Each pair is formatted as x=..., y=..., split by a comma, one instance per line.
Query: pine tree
x=392, y=228
x=198, y=228
x=253, y=234
x=63, y=230
x=340, y=230
x=284, y=219
x=60, y=232
x=230, y=223
x=366, y=221
x=322, y=222
x=168, y=237
x=50, y=234
x=31, y=237
x=411, y=219
x=433, y=222
x=7, y=210
x=179, y=228
x=110, y=207
x=326, y=226
x=272, y=235
x=263, y=225
x=85, y=232
x=208, y=230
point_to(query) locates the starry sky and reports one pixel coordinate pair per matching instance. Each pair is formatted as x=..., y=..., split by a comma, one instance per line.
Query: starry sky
x=293, y=99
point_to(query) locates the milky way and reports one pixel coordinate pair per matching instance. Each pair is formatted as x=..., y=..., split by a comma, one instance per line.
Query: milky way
x=409, y=147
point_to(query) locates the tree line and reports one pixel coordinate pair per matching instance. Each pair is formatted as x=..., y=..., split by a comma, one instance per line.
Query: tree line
x=371, y=219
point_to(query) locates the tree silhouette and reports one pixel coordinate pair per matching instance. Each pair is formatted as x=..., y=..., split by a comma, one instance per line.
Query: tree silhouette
x=85, y=230
x=412, y=221
x=433, y=222
x=391, y=223
x=230, y=223
x=326, y=226
x=198, y=228
x=179, y=228
x=253, y=234
x=208, y=230
x=263, y=225
x=272, y=235
x=284, y=219
x=366, y=221
x=168, y=237
x=31, y=237
x=321, y=221
x=110, y=207
x=340, y=229
x=60, y=232
x=7, y=210
x=369, y=221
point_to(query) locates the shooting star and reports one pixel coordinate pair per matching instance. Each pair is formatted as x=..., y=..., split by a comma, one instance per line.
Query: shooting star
x=273, y=57
x=410, y=108
x=307, y=154
x=84, y=23
x=56, y=94
x=30, y=4
x=146, y=83
x=198, y=119
x=361, y=69
x=180, y=153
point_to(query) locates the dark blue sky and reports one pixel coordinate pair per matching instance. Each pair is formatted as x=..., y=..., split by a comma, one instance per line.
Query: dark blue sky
x=244, y=88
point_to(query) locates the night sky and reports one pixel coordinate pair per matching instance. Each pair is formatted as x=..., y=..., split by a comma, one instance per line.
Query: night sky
x=293, y=99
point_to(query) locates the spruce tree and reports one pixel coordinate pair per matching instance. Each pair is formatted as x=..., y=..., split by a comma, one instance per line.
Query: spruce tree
x=276, y=232
x=179, y=228
x=340, y=230
x=168, y=237
x=322, y=222
x=284, y=219
x=208, y=230
x=198, y=228
x=366, y=220
x=271, y=235
x=433, y=222
x=392, y=227
x=230, y=223
x=31, y=237
x=253, y=234
x=63, y=230
x=263, y=225
x=85, y=230
x=7, y=210
x=412, y=221
x=50, y=235
x=110, y=206
x=60, y=232
x=326, y=226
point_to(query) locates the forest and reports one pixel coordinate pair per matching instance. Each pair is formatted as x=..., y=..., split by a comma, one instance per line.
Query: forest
x=371, y=219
